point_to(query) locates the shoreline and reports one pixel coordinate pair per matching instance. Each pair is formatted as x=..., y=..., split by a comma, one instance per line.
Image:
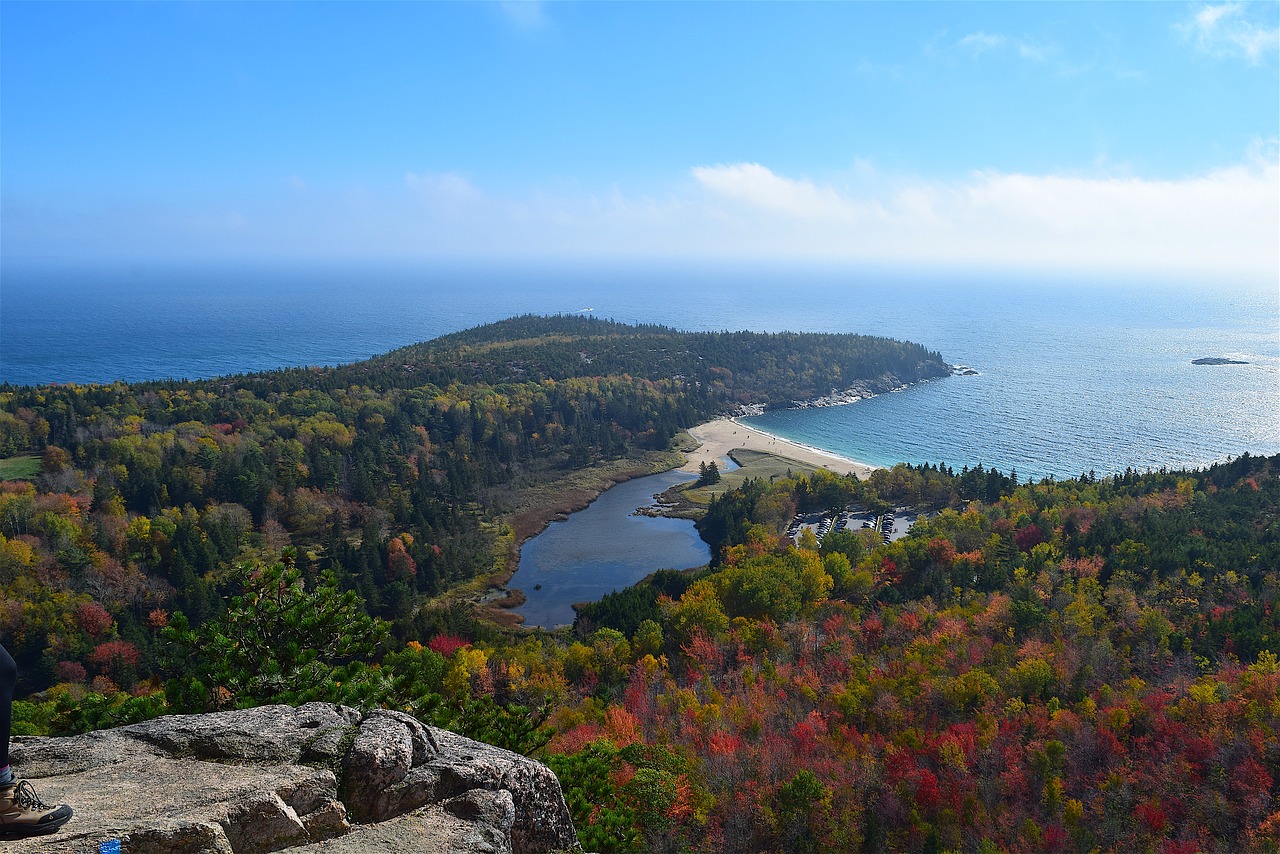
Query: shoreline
x=716, y=440
x=719, y=437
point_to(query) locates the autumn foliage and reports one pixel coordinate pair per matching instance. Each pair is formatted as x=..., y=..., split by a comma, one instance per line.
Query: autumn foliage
x=1078, y=665
x=1094, y=702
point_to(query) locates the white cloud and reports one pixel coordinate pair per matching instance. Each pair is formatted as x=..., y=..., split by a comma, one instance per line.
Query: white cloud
x=1207, y=18
x=442, y=187
x=1225, y=223
x=982, y=42
x=524, y=14
x=1232, y=30
x=761, y=188
x=1027, y=50
x=1225, y=220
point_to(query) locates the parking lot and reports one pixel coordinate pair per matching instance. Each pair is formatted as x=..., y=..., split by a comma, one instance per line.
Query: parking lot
x=891, y=526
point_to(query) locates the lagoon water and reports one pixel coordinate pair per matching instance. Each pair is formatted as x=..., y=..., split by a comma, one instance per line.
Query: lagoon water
x=603, y=548
x=1073, y=375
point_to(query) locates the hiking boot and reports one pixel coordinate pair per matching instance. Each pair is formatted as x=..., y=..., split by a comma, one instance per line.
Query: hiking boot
x=22, y=813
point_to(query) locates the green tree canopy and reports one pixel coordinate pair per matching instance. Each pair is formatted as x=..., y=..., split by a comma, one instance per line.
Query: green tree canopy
x=277, y=642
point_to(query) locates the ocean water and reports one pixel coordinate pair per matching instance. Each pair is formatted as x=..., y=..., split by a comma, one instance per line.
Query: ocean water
x=1071, y=382
x=1072, y=374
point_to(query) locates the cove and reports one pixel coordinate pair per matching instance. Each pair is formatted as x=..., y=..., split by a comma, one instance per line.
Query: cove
x=603, y=548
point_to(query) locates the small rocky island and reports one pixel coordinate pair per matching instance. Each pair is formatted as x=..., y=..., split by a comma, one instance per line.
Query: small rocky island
x=1217, y=360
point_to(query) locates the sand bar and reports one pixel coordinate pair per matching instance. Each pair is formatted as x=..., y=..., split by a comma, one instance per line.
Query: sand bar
x=723, y=435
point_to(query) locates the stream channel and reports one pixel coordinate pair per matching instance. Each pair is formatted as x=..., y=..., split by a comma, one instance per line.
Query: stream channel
x=602, y=548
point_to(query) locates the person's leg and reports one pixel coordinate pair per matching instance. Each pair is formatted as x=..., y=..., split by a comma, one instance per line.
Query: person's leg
x=22, y=813
x=8, y=679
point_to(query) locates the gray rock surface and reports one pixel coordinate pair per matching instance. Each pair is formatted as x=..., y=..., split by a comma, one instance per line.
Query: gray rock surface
x=478, y=822
x=313, y=778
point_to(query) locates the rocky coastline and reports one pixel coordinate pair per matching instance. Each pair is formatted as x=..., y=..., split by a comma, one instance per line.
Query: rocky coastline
x=861, y=390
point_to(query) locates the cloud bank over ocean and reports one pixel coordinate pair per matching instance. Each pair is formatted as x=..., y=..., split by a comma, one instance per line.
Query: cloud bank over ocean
x=1224, y=221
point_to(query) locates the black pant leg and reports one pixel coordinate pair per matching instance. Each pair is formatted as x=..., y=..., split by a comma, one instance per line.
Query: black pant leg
x=8, y=679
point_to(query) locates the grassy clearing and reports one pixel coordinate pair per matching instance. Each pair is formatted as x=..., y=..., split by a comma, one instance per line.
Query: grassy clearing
x=754, y=464
x=685, y=443
x=19, y=468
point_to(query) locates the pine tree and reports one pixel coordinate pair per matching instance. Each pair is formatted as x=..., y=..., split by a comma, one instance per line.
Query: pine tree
x=277, y=642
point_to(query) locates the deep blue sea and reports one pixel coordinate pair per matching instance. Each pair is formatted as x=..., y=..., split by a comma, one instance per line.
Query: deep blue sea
x=1073, y=375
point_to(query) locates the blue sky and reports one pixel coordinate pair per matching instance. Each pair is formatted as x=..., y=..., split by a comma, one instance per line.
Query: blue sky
x=1131, y=137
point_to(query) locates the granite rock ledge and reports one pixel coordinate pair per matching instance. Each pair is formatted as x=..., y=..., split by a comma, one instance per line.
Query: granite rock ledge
x=314, y=778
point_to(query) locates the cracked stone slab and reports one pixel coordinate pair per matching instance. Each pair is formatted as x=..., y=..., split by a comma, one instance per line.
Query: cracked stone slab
x=169, y=805
x=265, y=779
x=477, y=823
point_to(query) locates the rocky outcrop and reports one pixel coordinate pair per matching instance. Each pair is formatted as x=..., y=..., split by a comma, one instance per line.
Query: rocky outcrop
x=314, y=778
x=863, y=390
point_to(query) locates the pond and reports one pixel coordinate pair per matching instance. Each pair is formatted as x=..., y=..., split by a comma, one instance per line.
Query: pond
x=603, y=548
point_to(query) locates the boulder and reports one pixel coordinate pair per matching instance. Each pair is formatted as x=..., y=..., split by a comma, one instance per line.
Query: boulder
x=278, y=778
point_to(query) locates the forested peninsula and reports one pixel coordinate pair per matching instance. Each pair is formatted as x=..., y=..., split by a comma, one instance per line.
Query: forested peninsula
x=403, y=476
x=1079, y=665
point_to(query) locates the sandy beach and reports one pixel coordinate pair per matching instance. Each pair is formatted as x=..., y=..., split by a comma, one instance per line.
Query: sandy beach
x=723, y=435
